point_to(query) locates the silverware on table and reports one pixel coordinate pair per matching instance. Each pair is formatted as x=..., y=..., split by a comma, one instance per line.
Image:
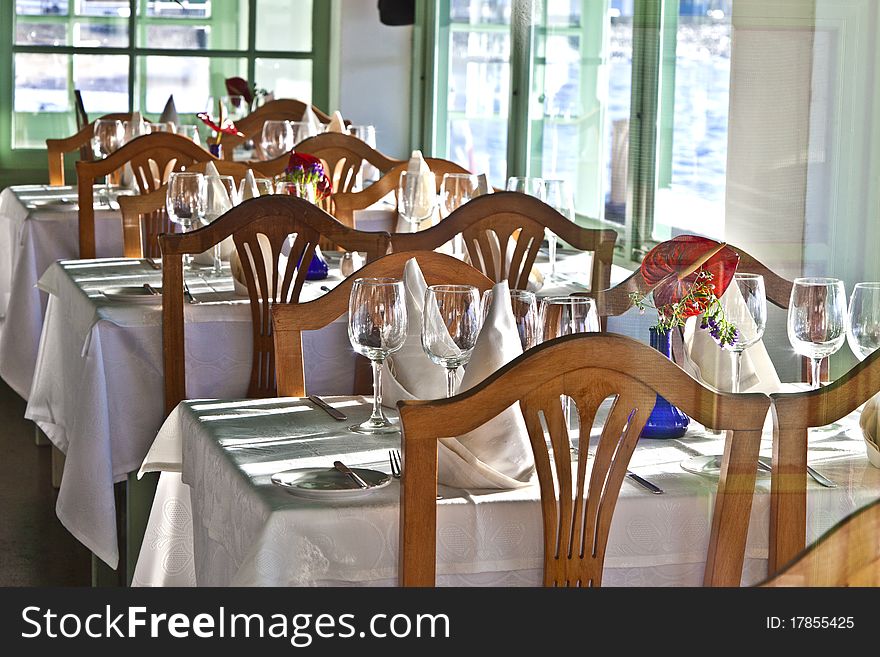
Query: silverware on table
x=332, y=412
x=339, y=465
x=644, y=483
x=188, y=294
x=149, y=288
x=818, y=477
x=153, y=264
x=394, y=458
x=325, y=288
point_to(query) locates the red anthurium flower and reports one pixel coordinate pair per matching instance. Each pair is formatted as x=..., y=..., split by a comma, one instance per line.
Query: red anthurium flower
x=228, y=127
x=672, y=267
x=240, y=87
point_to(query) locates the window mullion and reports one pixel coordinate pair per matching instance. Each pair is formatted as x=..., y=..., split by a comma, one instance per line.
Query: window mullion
x=521, y=44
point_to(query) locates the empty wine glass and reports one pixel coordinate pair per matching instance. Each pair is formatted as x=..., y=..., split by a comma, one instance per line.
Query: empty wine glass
x=367, y=134
x=526, y=185
x=265, y=186
x=377, y=328
x=456, y=189
x=222, y=194
x=277, y=139
x=566, y=316
x=557, y=195
x=191, y=132
x=450, y=326
x=107, y=136
x=159, y=126
x=864, y=320
x=416, y=197
x=525, y=314
x=186, y=202
x=745, y=306
x=817, y=320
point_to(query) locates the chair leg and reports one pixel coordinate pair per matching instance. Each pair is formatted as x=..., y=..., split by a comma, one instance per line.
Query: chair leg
x=103, y=575
x=58, y=459
x=138, y=503
x=40, y=438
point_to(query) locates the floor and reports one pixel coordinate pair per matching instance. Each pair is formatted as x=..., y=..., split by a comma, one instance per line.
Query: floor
x=35, y=549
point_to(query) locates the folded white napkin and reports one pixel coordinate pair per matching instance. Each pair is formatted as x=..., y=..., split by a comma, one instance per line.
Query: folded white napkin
x=337, y=124
x=134, y=127
x=483, y=185
x=707, y=362
x=218, y=203
x=169, y=114
x=421, y=189
x=250, y=189
x=312, y=119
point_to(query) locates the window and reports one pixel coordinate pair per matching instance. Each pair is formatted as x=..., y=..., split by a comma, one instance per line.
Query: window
x=625, y=99
x=128, y=55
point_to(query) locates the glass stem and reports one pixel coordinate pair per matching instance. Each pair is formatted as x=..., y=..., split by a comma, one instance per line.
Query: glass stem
x=217, y=262
x=551, y=249
x=450, y=381
x=377, y=414
x=736, y=370
x=816, y=368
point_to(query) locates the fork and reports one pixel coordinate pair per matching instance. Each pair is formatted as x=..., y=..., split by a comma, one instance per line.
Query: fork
x=189, y=296
x=394, y=459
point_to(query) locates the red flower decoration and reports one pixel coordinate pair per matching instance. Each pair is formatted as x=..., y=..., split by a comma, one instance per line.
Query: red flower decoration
x=302, y=167
x=671, y=269
x=240, y=87
x=227, y=128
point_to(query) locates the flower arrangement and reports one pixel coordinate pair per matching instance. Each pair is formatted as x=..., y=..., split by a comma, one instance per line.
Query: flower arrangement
x=686, y=276
x=307, y=169
x=223, y=126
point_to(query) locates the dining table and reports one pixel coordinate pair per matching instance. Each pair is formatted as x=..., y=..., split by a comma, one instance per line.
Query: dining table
x=97, y=389
x=219, y=519
x=39, y=225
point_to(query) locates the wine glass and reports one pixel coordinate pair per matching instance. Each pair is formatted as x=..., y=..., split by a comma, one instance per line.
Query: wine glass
x=450, y=326
x=557, y=195
x=525, y=314
x=216, y=206
x=745, y=306
x=107, y=136
x=265, y=186
x=817, y=320
x=456, y=189
x=566, y=316
x=416, y=197
x=526, y=185
x=186, y=202
x=191, y=132
x=367, y=134
x=277, y=139
x=864, y=320
x=377, y=328
x=302, y=130
x=159, y=126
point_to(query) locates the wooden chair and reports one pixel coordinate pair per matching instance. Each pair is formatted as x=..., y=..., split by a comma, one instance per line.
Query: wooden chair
x=144, y=217
x=290, y=320
x=152, y=158
x=846, y=555
x=268, y=218
x=56, y=148
x=343, y=156
x=345, y=203
x=251, y=126
x=793, y=415
x=588, y=368
x=501, y=216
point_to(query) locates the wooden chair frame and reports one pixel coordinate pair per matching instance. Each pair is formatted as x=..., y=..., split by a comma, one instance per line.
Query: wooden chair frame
x=56, y=148
x=510, y=214
x=274, y=217
x=589, y=368
x=251, y=126
x=152, y=158
x=848, y=554
x=345, y=203
x=290, y=320
x=793, y=414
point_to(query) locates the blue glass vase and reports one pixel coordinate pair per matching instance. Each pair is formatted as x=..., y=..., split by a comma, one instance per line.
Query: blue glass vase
x=318, y=267
x=666, y=420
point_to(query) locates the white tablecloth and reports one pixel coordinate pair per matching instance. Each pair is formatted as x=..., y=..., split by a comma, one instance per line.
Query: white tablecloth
x=228, y=525
x=38, y=225
x=98, y=384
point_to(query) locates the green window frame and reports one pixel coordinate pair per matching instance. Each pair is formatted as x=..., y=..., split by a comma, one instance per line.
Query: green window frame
x=29, y=164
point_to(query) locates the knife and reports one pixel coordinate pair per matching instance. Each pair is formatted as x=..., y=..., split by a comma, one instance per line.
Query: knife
x=149, y=288
x=188, y=294
x=332, y=412
x=339, y=465
x=644, y=483
x=153, y=264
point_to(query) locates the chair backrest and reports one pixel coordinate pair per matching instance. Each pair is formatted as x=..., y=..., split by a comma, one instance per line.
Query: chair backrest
x=290, y=320
x=488, y=223
x=251, y=126
x=151, y=157
x=56, y=148
x=345, y=203
x=343, y=156
x=846, y=555
x=260, y=228
x=577, y=513
x=793, y=414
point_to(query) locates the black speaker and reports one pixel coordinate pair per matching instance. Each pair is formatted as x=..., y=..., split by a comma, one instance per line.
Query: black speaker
x=397, y=12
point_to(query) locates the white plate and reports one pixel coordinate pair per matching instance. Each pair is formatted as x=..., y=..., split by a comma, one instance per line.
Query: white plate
x=133, y=294
x=329, y=483
x=710, y=466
